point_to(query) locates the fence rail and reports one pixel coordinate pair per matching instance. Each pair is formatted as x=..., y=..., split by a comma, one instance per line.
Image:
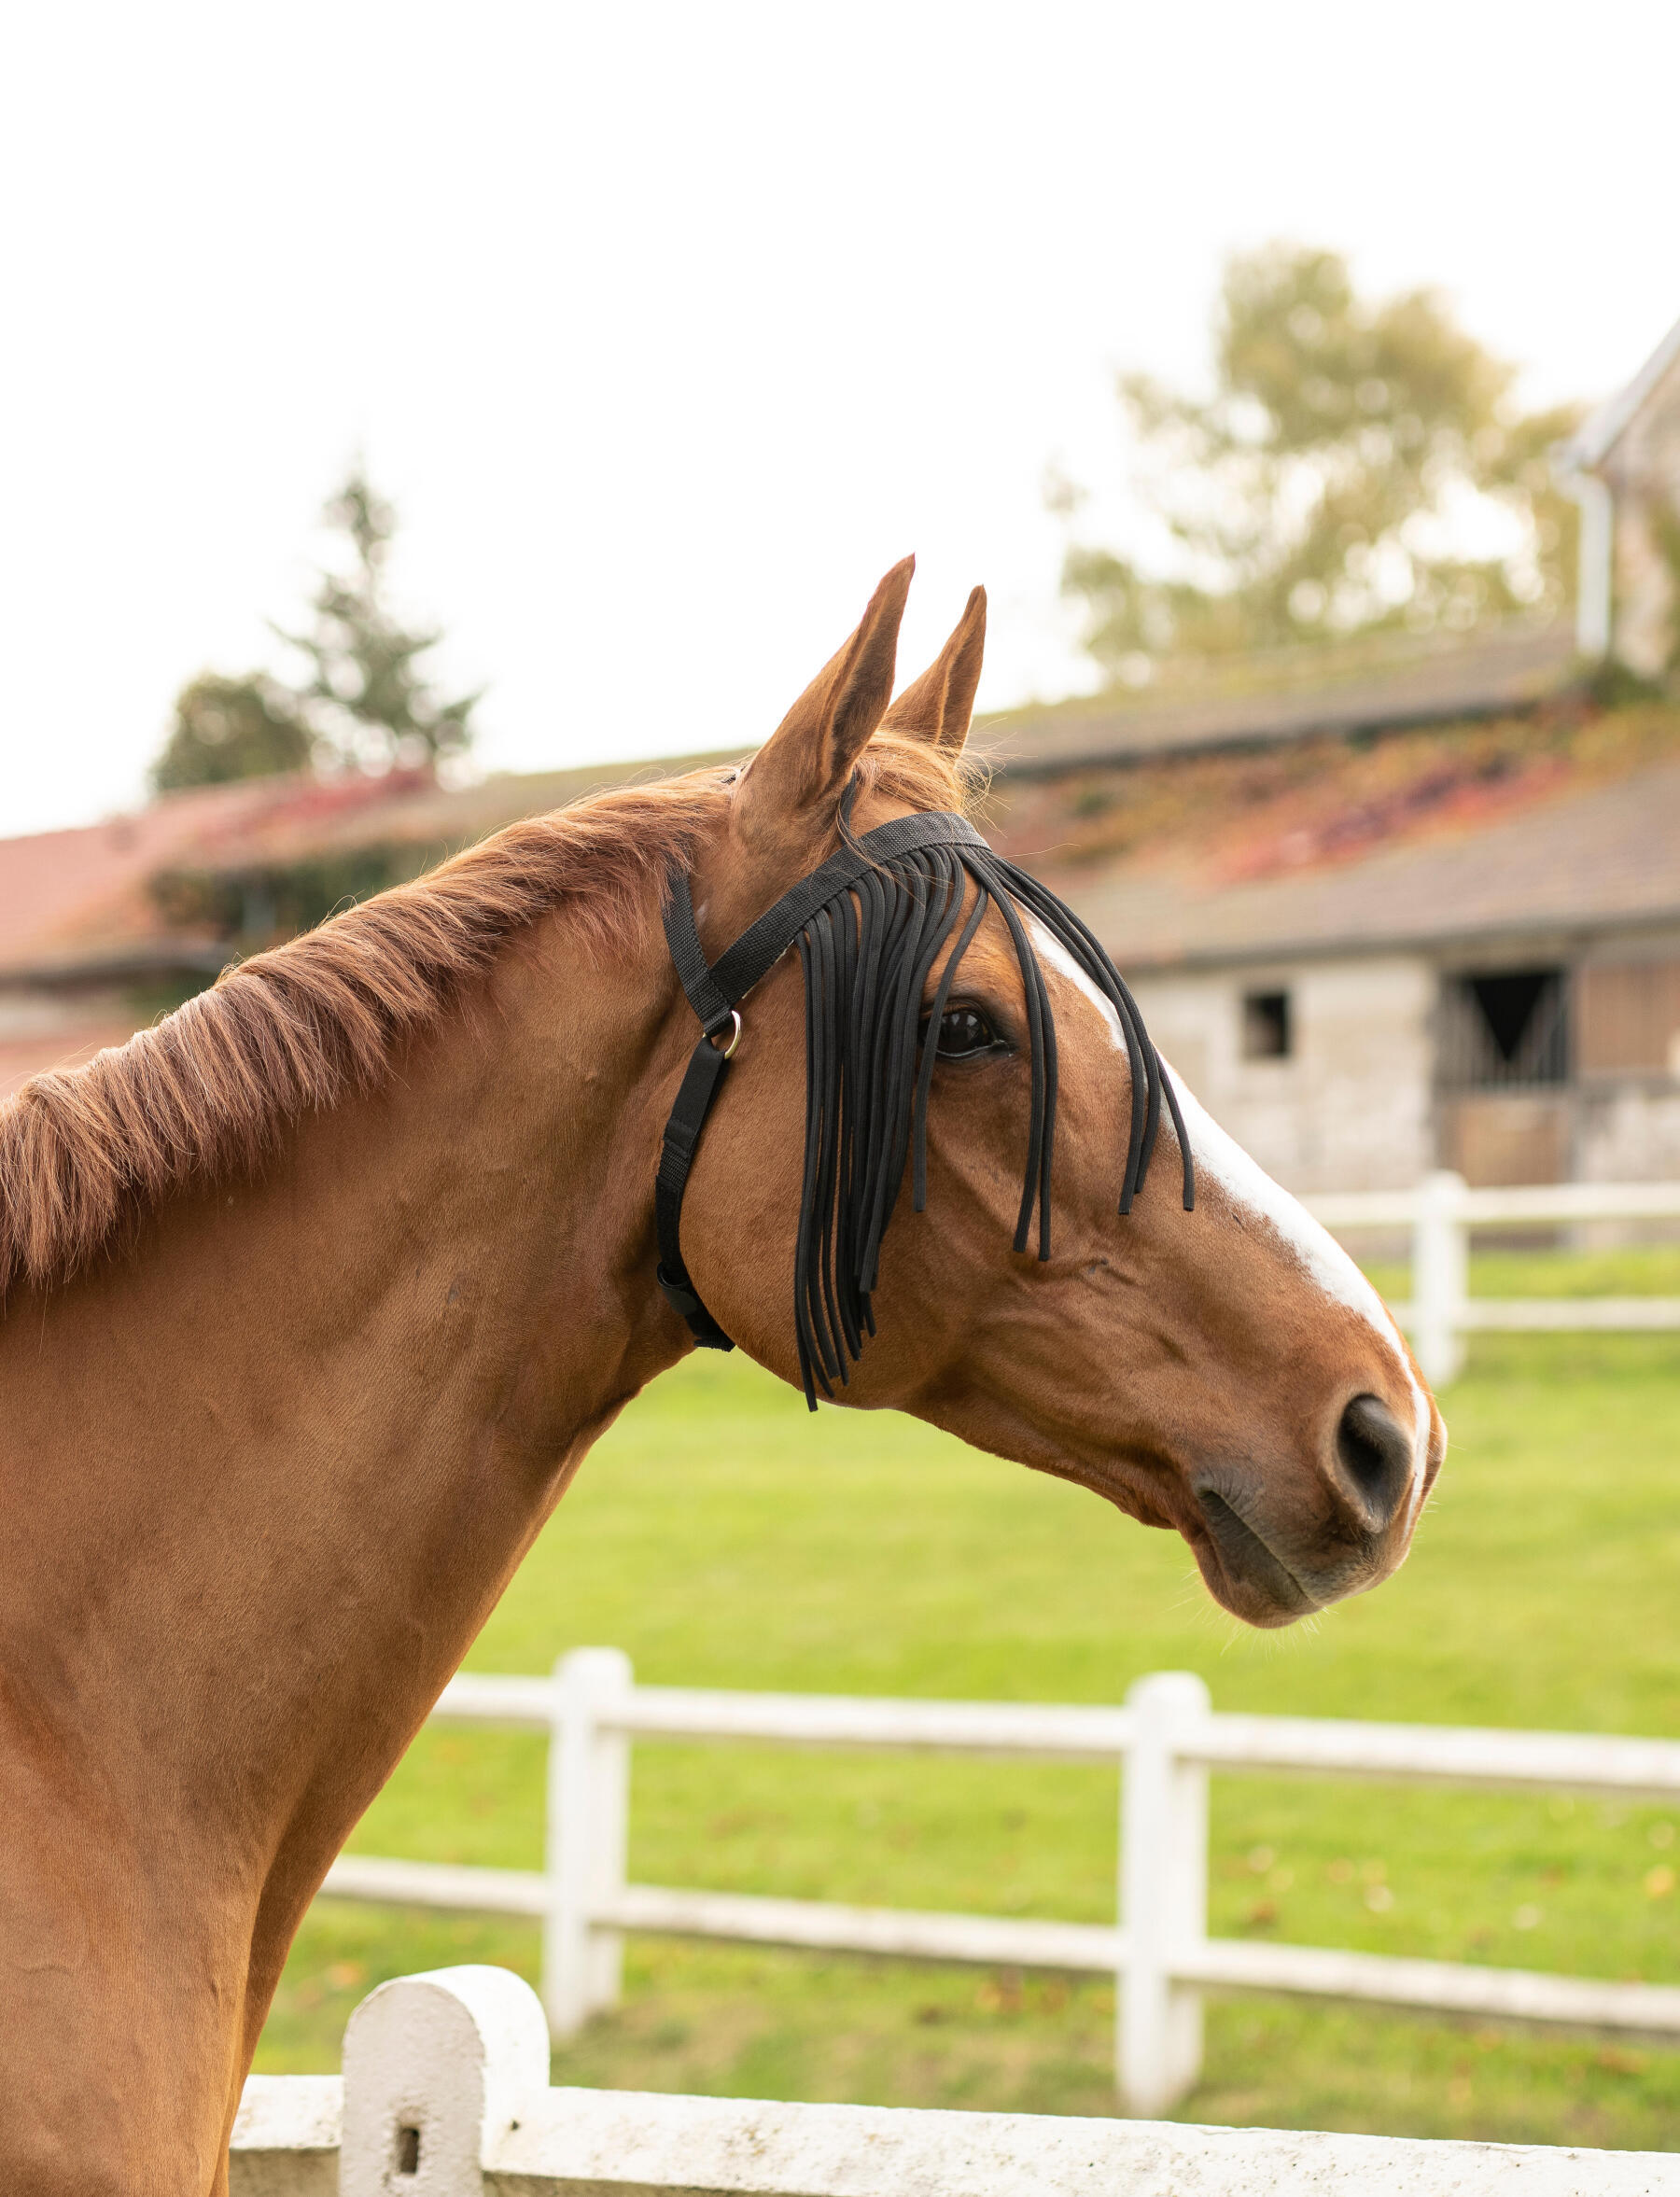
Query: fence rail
x=1166, y=1741
x=1440, y=1213
x=445, y=2089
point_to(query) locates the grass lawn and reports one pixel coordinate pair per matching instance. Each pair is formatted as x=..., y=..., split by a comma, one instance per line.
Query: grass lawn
x=722, y=1538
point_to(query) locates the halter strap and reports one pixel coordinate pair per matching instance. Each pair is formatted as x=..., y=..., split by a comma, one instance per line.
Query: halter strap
x=716, y=989
x=842, y=917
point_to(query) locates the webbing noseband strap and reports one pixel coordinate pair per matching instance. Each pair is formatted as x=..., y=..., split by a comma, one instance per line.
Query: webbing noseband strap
x=870, y=922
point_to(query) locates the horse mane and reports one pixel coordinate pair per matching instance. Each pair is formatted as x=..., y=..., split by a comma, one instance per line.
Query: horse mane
x=207, y=1092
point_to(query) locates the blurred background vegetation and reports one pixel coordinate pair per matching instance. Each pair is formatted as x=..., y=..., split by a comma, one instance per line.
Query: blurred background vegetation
x=363, y=702
x=1360, y=465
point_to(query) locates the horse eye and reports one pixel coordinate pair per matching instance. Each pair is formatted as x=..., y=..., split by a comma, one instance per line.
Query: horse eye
x=963, y=1030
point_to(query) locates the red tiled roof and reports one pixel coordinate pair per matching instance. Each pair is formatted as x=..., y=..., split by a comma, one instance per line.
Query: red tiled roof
x=66, y=895
x=1576, y=859
x=1457, y=834
x=78, y=899
x=58, y=887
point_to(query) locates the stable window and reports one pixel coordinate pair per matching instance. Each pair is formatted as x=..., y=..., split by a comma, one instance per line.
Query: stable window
x=1506, y=1029
x=1267, y=1034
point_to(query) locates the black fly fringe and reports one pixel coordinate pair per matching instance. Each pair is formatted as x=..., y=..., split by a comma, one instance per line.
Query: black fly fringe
x=869, y=1052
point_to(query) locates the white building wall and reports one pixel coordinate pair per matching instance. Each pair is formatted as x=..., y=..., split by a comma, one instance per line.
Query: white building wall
x=1644, y=471
x=1630, y=1134
x=1351, y=1108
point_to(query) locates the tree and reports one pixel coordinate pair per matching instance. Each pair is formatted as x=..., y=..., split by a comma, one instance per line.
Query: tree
x=365, y=698
x=1360, y=465
x=231, y=728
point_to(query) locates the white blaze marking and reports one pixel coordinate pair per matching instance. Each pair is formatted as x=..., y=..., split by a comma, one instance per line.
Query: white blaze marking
x=1218, y=1155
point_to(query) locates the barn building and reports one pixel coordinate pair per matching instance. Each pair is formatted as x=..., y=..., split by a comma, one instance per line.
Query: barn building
x=1453, y=945
x=1369, y=950
x=1425, y=912
x=1422, y=910
x=1623, y=467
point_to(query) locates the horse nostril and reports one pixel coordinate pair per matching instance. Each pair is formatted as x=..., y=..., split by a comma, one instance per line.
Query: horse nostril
x=1375, y=1458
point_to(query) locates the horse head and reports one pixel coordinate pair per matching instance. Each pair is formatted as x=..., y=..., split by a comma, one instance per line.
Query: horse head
x=1218, y=1364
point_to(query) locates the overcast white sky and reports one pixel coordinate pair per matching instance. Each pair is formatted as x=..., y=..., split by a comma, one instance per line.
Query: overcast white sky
x=669, y=328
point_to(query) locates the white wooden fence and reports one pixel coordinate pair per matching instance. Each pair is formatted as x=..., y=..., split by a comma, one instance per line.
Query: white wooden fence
x=445, y=2093
x=1440, y=1213
x=1165, y=1741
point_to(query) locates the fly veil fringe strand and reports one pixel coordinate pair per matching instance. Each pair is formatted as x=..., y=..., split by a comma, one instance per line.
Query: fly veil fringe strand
x=869, y=926
x=869, y=1053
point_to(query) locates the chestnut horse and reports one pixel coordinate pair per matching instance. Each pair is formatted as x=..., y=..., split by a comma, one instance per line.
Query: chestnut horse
x=317, y=1293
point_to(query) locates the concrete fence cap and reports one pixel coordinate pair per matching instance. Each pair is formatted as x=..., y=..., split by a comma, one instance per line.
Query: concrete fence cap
x=437, y=2068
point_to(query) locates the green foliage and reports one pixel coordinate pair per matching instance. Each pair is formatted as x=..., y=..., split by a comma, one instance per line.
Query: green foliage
x=150, y=1002
x=366, y=697
x=259, y=906
x=1323, y=490
x=724, y=1539
x=231, y=728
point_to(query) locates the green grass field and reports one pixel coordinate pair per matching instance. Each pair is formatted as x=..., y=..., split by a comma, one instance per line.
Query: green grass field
x=722, y=1538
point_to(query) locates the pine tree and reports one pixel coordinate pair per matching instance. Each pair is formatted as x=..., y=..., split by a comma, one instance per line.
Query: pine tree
x=366, y=699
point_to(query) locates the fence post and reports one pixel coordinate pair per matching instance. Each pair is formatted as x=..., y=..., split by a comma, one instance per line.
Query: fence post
x=438, y=2068
x=1440, y=1276
x=587, y=1832
x=1163, y=1894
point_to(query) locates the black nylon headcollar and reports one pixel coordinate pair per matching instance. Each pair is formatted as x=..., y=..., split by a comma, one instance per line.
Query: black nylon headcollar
x=870, y=924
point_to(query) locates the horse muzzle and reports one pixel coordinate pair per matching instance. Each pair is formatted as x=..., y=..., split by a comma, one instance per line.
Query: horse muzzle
x=1276, y=1545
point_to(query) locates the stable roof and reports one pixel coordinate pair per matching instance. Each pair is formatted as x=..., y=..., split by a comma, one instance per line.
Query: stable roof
x=1291, y=695
x=78, y=906
x=1579, y=860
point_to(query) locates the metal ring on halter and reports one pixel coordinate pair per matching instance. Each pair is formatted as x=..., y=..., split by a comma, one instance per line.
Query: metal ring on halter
x=735, y=1036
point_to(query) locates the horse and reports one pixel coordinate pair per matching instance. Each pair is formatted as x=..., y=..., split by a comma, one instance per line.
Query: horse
x=317, y=1293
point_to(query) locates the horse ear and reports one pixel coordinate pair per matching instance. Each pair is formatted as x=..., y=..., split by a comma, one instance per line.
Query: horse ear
x=809, y=758
x=941, y=702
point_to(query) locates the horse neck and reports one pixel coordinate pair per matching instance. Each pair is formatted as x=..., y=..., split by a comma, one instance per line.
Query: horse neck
x=263, y=1476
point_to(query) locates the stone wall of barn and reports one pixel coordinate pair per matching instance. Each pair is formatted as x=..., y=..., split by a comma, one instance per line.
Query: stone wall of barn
x=1627, y=1060
x=1350, y=1099
x=1629, y=1133
x=1348, y=1105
